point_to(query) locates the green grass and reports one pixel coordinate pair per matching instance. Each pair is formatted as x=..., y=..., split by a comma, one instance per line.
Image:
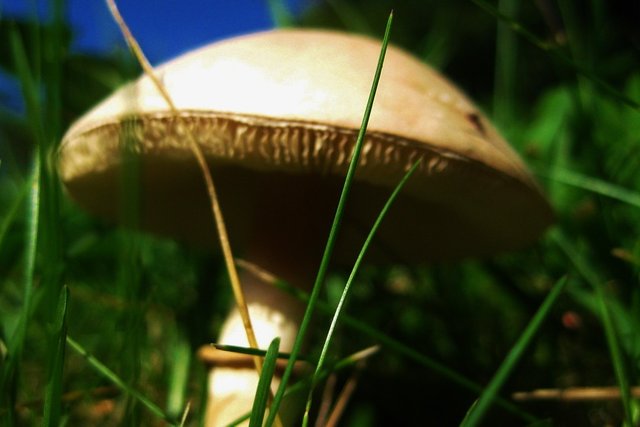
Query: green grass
x=53, y=397
x=264, y=385
x=480, y=407
x=562, y=85
x=333, y=234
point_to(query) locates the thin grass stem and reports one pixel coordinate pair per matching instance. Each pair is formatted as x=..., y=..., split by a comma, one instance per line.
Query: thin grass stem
x=11, y=214
x=594, y=185
x=611, y=332
x=280, y=14
x=103, y=370
x=347, y=287
x=53, y=392
x=478, y=410
x=17, y=340
x=506, y=60
x=324, y=264
x=202, y=163
x=264, y=384
x=211, y=191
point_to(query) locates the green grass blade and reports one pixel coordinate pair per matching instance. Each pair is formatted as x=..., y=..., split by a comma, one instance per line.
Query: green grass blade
x=505, y=75
x=264, y=384
x=185, y=415
x=594, y=185
x=252, y=351
x=52, y=51
x=280, y=15
x=16, y=342
x=203, y=394
x=304, y=383
x=11, y=214
x=53, y=75
x=240, y=420
x=28, y=85
x=40, y=92
x=179, y=374
x=478, y=410
x=591, y=277
x=53, y=401
x=116, y=380
x=313, y=299
x=347, y=287
x=553, y=51
x=129, y=284
x=403, y=350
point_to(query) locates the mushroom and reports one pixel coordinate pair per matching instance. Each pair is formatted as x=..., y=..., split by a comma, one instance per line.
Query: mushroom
x=276, y=114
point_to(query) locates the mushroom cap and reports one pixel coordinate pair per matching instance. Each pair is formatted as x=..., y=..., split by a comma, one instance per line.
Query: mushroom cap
x=277, y=114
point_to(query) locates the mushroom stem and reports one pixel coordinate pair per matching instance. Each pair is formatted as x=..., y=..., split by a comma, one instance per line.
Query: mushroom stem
x=289, y=244
x=273, y=314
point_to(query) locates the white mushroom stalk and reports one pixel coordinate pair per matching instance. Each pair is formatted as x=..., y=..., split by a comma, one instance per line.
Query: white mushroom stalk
x=274, y=313
x=231, y=387
x=276, y=115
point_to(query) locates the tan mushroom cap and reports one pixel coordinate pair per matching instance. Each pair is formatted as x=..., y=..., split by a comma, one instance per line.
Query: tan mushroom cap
x=277, y=114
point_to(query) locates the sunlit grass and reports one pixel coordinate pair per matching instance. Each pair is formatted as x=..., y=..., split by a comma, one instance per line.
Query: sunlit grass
x=134, y=305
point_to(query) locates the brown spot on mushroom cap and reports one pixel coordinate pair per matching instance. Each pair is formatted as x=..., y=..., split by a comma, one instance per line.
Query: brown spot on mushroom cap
x=277, y=114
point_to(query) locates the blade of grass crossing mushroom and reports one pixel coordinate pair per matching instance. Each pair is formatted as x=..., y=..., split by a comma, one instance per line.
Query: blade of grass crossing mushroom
x=480, y=407
x=251, y=351
x=238, y=293
x=103, y=370
x=213, y=197
x=53, y=401
x=347, y=287
x=215, y=207
x=313, y=299
x=264, y=384
x=388, y=342
x=611, y=333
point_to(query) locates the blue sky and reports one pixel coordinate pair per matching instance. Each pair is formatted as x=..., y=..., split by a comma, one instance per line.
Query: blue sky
x=164, y=28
